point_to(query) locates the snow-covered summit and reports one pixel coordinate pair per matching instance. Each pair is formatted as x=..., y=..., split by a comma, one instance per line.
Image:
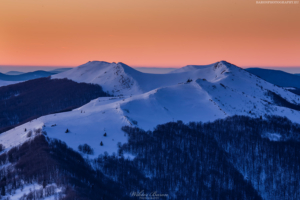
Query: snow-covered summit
x=120, y=79
x=113, y=77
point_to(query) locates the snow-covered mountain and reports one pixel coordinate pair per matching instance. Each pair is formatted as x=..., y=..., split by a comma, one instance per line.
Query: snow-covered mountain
x=120, y=79
x=115, y=78
x=201, y=93
x=142, y=101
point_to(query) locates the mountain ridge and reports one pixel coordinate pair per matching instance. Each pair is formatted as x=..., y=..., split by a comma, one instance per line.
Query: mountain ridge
x=204, y=94
x=120, y=79
x=25, y=76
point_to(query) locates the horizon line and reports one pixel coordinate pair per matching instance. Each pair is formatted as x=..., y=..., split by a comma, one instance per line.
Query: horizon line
x=138, y=66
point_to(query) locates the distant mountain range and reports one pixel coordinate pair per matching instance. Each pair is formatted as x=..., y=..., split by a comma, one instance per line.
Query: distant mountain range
x=25, y=76
x=280, y=78
x=14, y=73
x=59, y=70
x=277, y=77
x=154, y=70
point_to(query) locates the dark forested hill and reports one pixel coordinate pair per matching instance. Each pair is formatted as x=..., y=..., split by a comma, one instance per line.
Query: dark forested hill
x=31, y=99
x=225, y=159
x=234, y=158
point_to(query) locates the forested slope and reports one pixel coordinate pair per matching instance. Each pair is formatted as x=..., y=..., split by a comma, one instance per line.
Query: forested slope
x=28, y=100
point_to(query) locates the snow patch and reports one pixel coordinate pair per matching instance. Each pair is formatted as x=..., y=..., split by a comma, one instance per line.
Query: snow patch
x=17, y=194
x=272, y=136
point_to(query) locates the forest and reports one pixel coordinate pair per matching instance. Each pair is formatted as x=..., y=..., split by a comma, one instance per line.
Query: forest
x=22, y=102
x=234, y=158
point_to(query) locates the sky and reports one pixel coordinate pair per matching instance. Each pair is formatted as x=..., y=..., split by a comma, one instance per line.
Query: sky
x=151, y=33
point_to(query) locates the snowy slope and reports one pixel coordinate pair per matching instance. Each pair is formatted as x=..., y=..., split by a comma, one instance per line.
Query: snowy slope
x=107, y=115
x=242, y=93
x=4, y=83
x=16, y=195
x=217, y=91
x=114, y=78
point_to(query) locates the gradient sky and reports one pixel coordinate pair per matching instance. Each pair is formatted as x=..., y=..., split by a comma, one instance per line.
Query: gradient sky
x=165, y=33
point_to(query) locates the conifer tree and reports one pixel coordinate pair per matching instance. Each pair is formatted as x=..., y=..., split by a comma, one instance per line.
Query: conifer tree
x=3, y=190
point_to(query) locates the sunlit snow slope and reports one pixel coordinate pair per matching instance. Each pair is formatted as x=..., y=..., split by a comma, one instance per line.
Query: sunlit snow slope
x=120, y=79
x=146, y=100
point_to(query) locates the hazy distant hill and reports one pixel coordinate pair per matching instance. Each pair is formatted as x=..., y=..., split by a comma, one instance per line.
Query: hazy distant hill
x=25, y=76
x=14, y=73
x=277, y=77
x=59, y=70
x=154, y=70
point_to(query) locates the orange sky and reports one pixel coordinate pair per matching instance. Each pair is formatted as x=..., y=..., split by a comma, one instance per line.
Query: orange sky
x=167, y=33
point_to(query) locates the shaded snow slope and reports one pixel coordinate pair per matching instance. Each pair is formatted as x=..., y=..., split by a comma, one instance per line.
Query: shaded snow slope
x=16, y=195
x=216, y=91
x=4, y=83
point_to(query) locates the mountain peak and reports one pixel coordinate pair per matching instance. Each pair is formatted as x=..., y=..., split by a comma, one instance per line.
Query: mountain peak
x=228, y=64
x=114, y=78
x=95, y=63
x=98, y=62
